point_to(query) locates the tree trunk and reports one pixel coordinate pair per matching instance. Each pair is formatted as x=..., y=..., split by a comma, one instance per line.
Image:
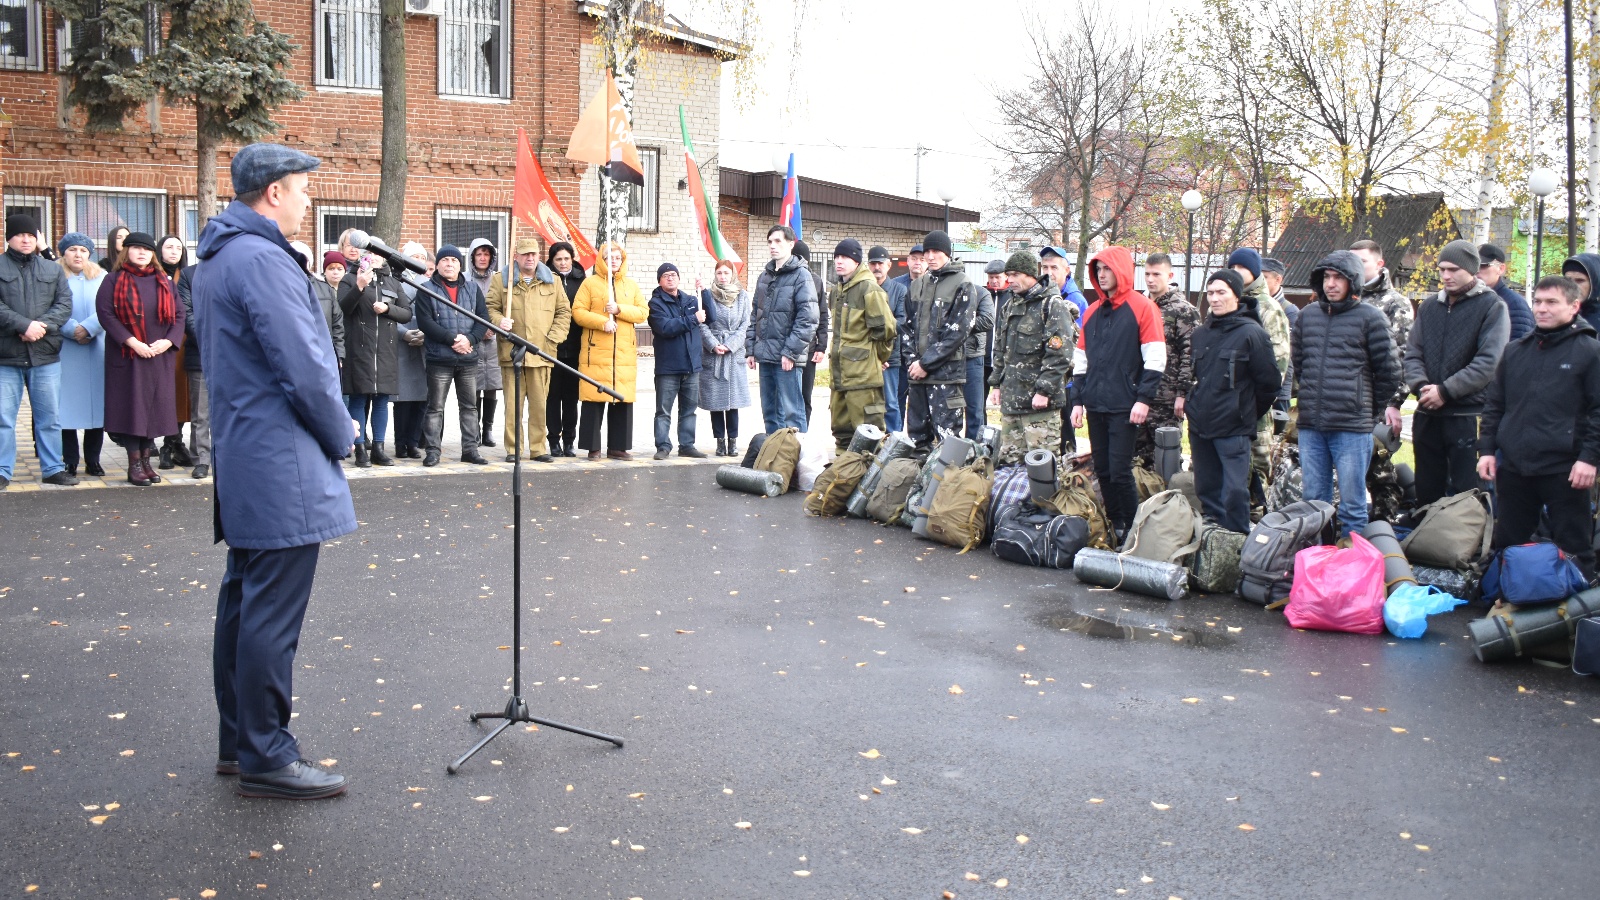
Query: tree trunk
x=1084, y=226
x=1500, y=79
x=390, y=221
x=620, y=45
x=1591, y=226
x=206, y=144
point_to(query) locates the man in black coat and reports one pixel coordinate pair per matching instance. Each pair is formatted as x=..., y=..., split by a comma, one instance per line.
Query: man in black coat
x=450, y=344
x=1451, y=353
x=1236, y=380
x=35, y=302
x=1542, y=417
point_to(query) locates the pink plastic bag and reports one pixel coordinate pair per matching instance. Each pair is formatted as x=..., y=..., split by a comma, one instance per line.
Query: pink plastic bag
x=1338, y=590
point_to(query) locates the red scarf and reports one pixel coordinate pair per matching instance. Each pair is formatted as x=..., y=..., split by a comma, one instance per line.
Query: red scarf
x=129, y=309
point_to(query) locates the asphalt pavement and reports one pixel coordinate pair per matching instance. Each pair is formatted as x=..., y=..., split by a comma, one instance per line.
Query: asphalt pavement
x=811, y=708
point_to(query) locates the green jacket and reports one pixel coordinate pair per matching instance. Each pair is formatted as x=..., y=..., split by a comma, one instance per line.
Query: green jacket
x=863, y=333
x=1034, y=334
x=1274, y=320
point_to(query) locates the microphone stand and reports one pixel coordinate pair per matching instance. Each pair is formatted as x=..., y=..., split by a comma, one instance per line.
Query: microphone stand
x=516, y=710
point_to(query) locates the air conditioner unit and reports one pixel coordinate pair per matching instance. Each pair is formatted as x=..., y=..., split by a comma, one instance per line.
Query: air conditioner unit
x=425, y=7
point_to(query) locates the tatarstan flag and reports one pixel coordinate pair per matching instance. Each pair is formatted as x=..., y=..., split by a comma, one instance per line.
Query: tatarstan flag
x=704, y=213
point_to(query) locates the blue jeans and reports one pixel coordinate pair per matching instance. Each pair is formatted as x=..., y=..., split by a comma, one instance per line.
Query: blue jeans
x=359, y=404
x=893, y=380
x=1347, y=452
x=782, y=405
x=44, y=385
x=685, y=390
x=973, y=390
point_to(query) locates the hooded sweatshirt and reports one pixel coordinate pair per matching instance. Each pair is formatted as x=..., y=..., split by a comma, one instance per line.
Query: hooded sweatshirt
x=1122, y=346
x=1347, y=368
x=1590, y=263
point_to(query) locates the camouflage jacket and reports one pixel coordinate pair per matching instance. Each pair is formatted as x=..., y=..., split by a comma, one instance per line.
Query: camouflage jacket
x=1274, y=320
x=1178, y=318
x=1034, y=334
x=1381, y=294
x=940, y=309
x=863, y=332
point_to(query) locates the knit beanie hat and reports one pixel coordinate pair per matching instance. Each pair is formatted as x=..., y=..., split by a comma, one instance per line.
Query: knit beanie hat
x=802, y=250
x=334, y=258
x=1023, y=262
x=1460, y=253
x=1250, y=259
x=75, y=239
x=937, y=240
x=20, y=223
x=450, y=250
x=1232, y=279
x=664, y=268
x=849, y=248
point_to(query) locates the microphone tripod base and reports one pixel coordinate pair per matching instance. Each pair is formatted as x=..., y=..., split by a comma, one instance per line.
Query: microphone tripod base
x=516, y=712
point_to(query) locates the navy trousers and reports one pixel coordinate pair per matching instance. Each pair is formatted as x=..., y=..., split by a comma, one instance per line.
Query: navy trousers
x=259, y=610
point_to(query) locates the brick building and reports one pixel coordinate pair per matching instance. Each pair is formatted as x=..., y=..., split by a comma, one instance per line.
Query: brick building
x=476, y=70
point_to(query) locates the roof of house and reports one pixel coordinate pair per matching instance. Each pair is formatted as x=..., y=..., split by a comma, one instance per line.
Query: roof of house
x=1400, y=223
x=825, y=201
x=665, y=25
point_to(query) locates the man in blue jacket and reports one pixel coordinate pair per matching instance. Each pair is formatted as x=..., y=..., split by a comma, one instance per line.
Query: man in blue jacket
x=675, y=320
x=279, y=429
x=1492, y=272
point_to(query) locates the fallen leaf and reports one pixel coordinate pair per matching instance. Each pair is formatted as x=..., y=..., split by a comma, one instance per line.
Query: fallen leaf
x=802, y=873
x=1085, y=684
x=1397, y=730
x=1022, y=839
x=1001, y=882
x=1145, y=879
x=681, y=631
x=638, y=796
x=562, y=829
x=207, y=894
x=637, y=848
x=1423, y=847
x=113, y=806
x=1191, y=700
x=956, y=689
x=888, y=781
x=1020, y=648
x=126, y=753
x=255, y=854
x=1096, y=800
x=742, y=826
x=1235, y=629
x=1247, y=827
x=1160, y=806
x=28, y=768
x=877, y=790
x=972, y=876
x=415, y=790
x=871, y=754
x=912, y=830
x=1494, y=759
x=121, y=715
x=1405, y=835
x=277, y=846
x=484, y=798
x=98, y=820
x=328, y=762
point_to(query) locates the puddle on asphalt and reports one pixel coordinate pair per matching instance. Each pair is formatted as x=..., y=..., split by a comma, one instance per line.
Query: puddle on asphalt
x=1126, y=626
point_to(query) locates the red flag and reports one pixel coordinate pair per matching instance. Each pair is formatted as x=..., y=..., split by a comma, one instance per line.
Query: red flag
x=604, y=137
x=705, y=215
x=534, y=202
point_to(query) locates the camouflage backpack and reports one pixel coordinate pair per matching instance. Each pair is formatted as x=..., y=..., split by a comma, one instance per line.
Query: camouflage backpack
x=1383, y=485
x=834, y=485
x=1075, y=496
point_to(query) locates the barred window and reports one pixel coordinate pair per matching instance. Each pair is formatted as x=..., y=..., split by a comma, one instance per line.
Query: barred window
x=642, y=201
x=347, y=43
x=22, y=34
x=473, y=55
x=71, y=35
x=95, y=211
x=333, y=220
x=460, y=227
x=36, y=204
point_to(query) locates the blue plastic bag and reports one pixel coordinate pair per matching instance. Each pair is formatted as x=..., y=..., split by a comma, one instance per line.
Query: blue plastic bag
x=1406, y=611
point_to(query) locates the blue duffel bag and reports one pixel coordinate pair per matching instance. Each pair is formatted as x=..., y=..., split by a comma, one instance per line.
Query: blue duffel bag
x=1532, y=573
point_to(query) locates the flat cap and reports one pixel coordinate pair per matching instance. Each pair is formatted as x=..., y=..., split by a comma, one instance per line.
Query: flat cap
x=995, y=267
x=1269, y=264
x=258, y=165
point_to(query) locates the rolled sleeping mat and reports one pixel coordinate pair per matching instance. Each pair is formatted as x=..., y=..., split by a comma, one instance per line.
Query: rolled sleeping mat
x=866, y=439
x=1505, y=635
x=953, y=452
x=750, y=481
x=1042, y=484
x=1388, y=437
x=1396, y=569
x=1407, y=480
x=895, y=446
x=1106, y=569
x=1452, y=582
x=989, y=437
x=1169, y=452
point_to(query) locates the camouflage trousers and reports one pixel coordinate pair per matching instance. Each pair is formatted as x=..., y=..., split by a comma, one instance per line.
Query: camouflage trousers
x=1028, y=431
x=852, y=408
x=1161, y=415
x=934, y=408
x=1261, y=462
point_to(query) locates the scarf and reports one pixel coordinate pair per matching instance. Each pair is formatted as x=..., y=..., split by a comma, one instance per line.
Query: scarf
x=727, y=295
x=129, y=309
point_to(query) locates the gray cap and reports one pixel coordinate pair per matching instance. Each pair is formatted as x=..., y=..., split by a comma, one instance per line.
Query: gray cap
x=258, y=165
x=1268, y=264
x=995, y=267
x=878, y=253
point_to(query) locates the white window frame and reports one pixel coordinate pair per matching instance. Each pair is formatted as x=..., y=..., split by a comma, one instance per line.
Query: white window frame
x=649, y=220
x=320, y=39
x=34, y=60
x=25, y=197
x=338, y=209
x=73, y=190
x=152, y=37
x=506, y=36
x=500, y=217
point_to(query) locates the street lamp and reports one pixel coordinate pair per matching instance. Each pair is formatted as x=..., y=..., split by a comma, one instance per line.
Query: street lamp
x=947, y=195
x=1541, y=183
x=1191, y=201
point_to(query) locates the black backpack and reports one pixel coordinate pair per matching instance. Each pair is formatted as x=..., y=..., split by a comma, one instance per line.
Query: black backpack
x=1266, y=565
x=1026, y=534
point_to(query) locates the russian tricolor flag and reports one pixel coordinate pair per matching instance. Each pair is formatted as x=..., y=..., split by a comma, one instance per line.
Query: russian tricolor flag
x=790, y=212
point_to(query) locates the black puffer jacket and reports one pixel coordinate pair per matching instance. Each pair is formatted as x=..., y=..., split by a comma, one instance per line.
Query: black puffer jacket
x=1341, y=351
x=1543, y=408
x=785, y=316
x=1236, y=376
x=1456, y=344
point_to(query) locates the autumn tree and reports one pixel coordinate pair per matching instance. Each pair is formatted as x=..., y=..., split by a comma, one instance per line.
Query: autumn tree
x=392, y=80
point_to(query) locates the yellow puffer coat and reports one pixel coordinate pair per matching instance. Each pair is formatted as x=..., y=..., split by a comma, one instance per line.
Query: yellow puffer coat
x=611, y=359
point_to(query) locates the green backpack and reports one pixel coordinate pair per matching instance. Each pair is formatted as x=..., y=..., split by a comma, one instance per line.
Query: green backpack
x=960, y=512
x=888, y=499
x=1165, y=529
x=1075, y=497
x=780, y=453
x=836, y=483
x=1216, y=562
x=1454, y=532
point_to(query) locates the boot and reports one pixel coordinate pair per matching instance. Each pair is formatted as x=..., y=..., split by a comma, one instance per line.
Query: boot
x=486, y=405
x=733, y=444
x=149, y=471
x=166, y=453
x=361, y=457
x=136, y=469
x=180, y=453
x=378, y=457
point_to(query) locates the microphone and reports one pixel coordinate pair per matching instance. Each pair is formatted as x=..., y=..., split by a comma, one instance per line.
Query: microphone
x=361, y=240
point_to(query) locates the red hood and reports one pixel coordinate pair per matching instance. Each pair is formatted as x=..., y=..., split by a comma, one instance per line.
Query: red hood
x=1121, y=263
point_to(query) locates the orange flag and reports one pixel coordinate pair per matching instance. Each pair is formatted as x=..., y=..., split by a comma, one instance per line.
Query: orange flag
x=534, y=202
x=604, y=137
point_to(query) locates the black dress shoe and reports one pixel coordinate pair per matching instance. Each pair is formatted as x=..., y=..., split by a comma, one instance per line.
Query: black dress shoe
x=378, y=457
x=299, y=780
x=431, y=460
x=475, y=458
x=227, y=766
x=201, y=471
x=544, y=457
x=165, y=461
x=180, y=455
x=362, y=462
x=94, y=469
x=511, y=457
x=61, y=478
